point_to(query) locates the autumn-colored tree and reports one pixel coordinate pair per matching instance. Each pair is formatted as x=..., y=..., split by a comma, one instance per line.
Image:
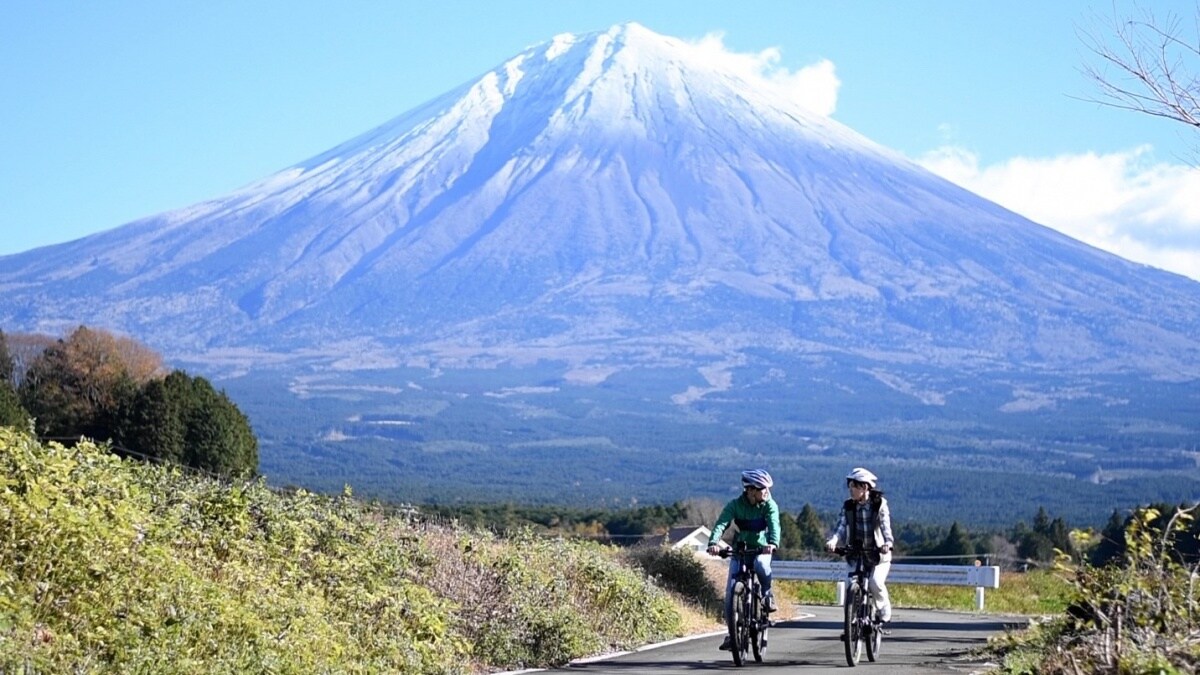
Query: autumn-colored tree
x=75, y=387
x=98, y=385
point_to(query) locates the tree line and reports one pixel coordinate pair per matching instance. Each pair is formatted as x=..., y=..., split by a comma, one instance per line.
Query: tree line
x=803, y=534
x=97, y=385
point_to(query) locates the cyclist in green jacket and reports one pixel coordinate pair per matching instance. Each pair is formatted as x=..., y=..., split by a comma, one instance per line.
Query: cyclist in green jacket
x=756, y=516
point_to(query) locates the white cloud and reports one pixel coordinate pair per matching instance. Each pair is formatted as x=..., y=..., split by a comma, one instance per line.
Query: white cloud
x=1123, y=202
x=815, y=86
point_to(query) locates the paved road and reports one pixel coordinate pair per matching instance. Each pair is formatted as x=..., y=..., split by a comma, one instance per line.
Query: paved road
x=922, y=642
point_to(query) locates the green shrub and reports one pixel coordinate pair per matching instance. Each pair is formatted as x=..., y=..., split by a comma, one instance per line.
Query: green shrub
x=531, y=601
x=114, y=566
x=679, y=572
x=1137, y=617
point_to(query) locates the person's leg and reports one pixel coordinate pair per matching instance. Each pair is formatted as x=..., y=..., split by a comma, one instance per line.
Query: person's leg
x=729, y=578
x=879, y=591
x=762, y=568
x=726, y=644
x=850, y=568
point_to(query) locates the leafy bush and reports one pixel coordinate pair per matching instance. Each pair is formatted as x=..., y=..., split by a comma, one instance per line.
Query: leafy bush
x=1141, y=616
x=108, y=565
x=531, y=601
x=112, y=566
x=682, y=573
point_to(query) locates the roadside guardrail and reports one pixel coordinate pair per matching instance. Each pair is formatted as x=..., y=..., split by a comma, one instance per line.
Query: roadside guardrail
x=979, y=576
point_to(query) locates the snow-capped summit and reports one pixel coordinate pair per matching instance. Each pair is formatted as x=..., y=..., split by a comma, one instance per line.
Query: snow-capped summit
x=611, y=198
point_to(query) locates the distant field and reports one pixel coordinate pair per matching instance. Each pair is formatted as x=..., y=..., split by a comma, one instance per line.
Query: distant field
x=1080, y=448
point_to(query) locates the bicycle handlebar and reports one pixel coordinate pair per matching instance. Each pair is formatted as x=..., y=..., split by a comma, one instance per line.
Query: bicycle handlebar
x=850, y=552
x=747, y=552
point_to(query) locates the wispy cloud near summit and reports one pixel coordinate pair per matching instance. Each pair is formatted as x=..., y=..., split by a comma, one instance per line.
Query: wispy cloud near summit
x=814, y=86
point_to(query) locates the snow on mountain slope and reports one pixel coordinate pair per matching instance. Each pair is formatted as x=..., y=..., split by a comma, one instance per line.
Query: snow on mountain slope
x=606, y=197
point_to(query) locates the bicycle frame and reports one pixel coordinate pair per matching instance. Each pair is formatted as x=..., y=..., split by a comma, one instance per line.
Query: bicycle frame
x=746, y=618
x=860, y=626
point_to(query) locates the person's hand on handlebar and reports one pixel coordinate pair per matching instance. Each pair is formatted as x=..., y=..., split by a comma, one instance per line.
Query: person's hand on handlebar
x=713, y=549
x=885, y=549
x=769, y=548
x=830, y=547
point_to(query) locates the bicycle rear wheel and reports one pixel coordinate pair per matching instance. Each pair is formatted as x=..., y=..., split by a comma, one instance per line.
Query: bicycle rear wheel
x=874, y=636
x=854, y=636
x=736, y=623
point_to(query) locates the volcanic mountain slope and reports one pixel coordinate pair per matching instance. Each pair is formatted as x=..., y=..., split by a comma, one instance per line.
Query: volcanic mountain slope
x=603, y=199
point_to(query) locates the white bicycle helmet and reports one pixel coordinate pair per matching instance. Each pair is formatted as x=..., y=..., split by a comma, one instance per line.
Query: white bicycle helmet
x=758, y=478
x=861, y=475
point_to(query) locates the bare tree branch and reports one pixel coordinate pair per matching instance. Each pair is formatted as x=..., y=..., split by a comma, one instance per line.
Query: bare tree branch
x=1148, y=64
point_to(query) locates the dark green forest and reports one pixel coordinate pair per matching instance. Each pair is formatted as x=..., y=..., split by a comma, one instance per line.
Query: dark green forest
x=497, y=435
x=454, y=438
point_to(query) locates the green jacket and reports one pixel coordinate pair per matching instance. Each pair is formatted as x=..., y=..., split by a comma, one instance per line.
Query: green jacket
x=757, y=526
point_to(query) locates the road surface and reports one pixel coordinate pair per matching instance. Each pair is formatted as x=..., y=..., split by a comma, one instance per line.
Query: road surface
x=922, y=642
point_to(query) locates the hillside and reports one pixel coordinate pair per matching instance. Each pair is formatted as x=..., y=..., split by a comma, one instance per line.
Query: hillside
x=114, y=566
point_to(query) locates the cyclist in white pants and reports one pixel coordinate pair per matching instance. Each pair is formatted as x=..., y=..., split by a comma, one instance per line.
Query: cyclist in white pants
x=866, y=524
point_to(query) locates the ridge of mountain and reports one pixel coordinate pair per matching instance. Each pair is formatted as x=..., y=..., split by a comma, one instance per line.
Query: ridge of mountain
x=591, y=173
x=604, y=206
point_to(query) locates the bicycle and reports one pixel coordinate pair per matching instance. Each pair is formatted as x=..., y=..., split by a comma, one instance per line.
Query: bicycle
x=860, y=625
x=747, y=619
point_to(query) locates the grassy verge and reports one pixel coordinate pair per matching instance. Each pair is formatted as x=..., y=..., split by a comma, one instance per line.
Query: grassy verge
x=1026, y=593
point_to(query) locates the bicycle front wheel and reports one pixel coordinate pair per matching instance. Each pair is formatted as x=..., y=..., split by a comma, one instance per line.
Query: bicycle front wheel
x=853, y=634
x=874, y=631
x=758, y=627
x=736, y=622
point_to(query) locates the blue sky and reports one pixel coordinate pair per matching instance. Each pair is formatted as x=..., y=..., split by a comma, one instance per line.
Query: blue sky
x=115, y=111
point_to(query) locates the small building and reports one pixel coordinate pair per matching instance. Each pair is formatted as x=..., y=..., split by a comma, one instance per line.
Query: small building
x=692, y=538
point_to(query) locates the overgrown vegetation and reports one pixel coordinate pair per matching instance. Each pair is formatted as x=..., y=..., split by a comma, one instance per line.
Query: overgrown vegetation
x=1138, y=613
x=110, y=565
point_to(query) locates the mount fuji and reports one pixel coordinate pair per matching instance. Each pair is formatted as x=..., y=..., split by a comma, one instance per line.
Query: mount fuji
x=612, y=238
